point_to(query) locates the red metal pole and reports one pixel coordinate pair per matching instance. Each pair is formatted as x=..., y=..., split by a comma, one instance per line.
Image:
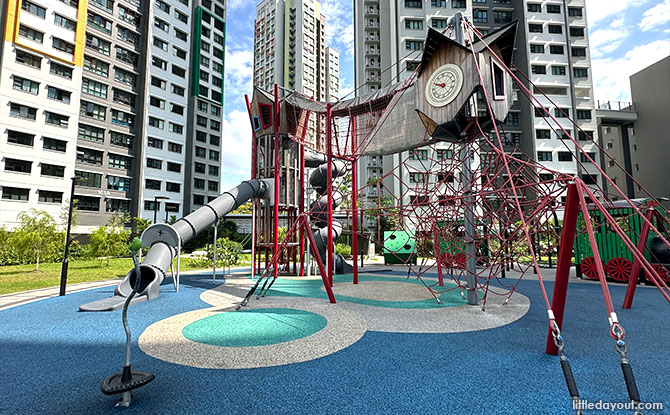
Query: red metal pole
x=438, y=256
x=302, y=193
x=315, y=252
x=637, y=264
x=564, y=262
x=329, y=152
x=254, y=174
x=354, y=200
x=277, y=173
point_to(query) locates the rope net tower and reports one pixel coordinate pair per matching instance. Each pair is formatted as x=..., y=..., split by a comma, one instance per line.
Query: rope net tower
x=477, y=206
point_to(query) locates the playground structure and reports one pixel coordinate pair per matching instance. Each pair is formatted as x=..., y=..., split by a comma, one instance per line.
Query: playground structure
x=498, y=197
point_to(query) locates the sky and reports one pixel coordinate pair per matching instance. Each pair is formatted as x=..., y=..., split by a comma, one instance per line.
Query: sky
x=625, y=36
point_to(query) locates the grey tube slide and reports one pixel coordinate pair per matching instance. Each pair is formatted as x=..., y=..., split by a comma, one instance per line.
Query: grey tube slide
x=319, y=217
x=162, y=252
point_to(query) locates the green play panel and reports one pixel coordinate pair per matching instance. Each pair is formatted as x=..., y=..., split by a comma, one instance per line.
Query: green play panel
x=254, y=327
x=314, y=288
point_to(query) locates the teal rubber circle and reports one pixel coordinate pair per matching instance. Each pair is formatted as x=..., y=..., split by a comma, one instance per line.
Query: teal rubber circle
x=254, y=327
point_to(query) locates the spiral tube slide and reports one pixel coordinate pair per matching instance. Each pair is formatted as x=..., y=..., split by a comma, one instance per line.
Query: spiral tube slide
x=319, y=216
x=165, y=240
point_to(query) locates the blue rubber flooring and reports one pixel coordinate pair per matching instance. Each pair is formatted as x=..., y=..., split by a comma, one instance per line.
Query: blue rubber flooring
x=55, y=358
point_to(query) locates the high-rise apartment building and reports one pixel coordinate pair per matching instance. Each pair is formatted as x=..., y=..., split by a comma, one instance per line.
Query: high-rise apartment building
x=40, y=84
x=551, y=48
x=127, y=96
x=290, y=49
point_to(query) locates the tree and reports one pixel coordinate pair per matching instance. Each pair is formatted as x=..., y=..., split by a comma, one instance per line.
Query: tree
x=37, y=236
x=111, y=240
x=243, y=209
x=139, y=225
x=65, y=210
x=227, y=252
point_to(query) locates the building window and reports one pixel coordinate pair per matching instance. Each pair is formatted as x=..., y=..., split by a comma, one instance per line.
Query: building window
x=32, y=34
x=129, y=16
x=585, y=157
x=46, y=196
x=213, y=155
x=181, y=16
x=590, y=178
x=17, y=137
x=579, y=52
x=122, y=118
x=558, y=70
x=585, y=135
x=417, y=177
x=176, y=128
x=413, y=4
x=540, y=112
x=175, y=148
x=419, y=155
x=33, y=8
x=539, y=69
x=161, y=44
x=29, y=60
x=22, y=111
x=88, y=203
x=89, y=156
x=99, y=23
x=14, y=193
x=180, y=53
x=544, y=156
x=199, y=167
x=564, y=156
x=534, y=28
x=413, y=24
x=583, y=114
x=159, y=63
x=444, y=154
x=198, y=183
x=534, y=8
x=120, y=139
x=181, y=35
x=118, y=183
x=87, y=179
x=535, y=48
x=542, y=134
x=480, y=16
x=180, y=72
x=92, y=110
x=155, y=143
x=553, y=8
x=212, y=186
x=577, y=31
x=106, y=5
x=152, y=205
x=177, y=109
x=556, y=49
x=95, y=88
x=26, y=85
x=581, y=72
x=502, y=16
x=127, y=35
x=18, y=166
x=151, y=184
x=154, y=163
x=125, y=77
x=117, y=161
x=554, y=28
x=126, y=56
x=172, y=187
x=96, y=66
x=171, y=207
x=200, y=152
x=123, y=97
x=98, y=45
x=512, y=118
x=174, y=167
x=178, y=90
x=413, y=44
x=438, y=3
x=575, y=11
x=117, y=205
x=213, y=170
x=214, y=139
x=52, y=170
x=162, y=24
x=439, y=23
x=91, y=133
x=198, y=199
x=58, y=120
x=458, y=4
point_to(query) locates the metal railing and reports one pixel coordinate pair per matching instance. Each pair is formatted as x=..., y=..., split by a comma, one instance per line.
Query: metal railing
x=615, y=105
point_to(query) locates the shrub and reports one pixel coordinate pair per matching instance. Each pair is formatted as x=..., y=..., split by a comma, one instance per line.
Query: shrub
x=342, y=249
x=199, y=262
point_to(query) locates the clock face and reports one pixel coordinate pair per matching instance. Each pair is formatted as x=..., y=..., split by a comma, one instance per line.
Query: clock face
x=444, y=84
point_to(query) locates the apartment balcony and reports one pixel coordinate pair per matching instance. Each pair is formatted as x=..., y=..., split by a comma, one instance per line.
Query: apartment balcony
x=372, y=51
x=371, y=11
x=372, y=65
x=615, y=106
x=371, y=2
x=371, y=25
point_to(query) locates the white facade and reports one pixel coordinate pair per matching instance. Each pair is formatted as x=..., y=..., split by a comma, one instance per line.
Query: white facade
x=40, y=87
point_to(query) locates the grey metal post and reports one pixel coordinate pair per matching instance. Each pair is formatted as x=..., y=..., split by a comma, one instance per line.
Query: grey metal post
x=216, y=226
x=471, y=261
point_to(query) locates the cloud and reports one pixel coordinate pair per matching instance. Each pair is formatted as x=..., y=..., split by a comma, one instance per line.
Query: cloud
x=598, y=10
x=610, y=75
x=339, y=25
x=236, y=142
x=239, y=73
x=604, y=41
x=658, y=15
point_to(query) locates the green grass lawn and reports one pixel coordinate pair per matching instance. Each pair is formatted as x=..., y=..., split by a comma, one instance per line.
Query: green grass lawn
x=18, y=278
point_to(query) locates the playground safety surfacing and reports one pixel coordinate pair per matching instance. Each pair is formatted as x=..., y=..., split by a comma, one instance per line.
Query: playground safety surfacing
x=386, y=347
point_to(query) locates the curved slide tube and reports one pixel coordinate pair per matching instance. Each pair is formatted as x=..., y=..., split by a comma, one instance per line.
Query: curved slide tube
x=165, y=242
x=319, y=182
